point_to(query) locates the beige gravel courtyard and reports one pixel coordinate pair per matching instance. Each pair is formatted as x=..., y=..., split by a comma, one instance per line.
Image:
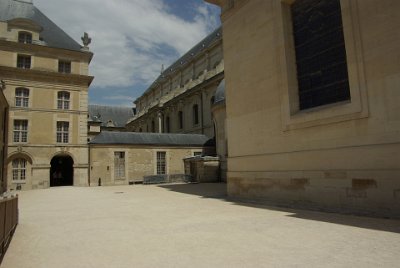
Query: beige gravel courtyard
x=188, y=225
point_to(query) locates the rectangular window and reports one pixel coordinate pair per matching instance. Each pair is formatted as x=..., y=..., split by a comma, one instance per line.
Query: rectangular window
x=20, y=131
x=62, y=132
x=320, y=52
x=161, y=163
x=19, y=169
x=21, y=97
x=195, y=114
x=24, y=62
x=180, y=119
x=64, y=67
x=63, y=99
x=119, y=165
x=24, y=37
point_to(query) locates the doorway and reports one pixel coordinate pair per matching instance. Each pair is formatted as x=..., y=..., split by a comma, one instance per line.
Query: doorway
x=62, y=171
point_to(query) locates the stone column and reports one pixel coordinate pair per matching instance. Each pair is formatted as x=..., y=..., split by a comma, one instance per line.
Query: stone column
x=160, y=122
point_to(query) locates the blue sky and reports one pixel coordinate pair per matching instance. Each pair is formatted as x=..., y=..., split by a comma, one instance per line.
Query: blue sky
x=131, y=39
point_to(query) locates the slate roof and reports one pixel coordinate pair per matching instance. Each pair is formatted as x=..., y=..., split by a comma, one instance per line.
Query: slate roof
x=160, y=139
x=118, y=115
x=202, y=45
x=52, y=35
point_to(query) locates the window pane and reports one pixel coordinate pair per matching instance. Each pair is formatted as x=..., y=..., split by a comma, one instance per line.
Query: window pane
x=320, y=52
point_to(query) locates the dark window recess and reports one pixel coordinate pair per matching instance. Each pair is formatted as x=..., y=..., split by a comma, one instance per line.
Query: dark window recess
x=24, y=62
x=64, y=67
x=25, y=38
x=195, y=114
x=180, y=119
x=167, y=125
x=320, y=52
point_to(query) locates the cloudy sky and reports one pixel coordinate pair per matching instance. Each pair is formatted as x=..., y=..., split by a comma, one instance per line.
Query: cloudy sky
x=131, y=39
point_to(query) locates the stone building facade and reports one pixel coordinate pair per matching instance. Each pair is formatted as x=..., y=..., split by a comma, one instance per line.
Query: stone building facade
x=3, y=139
x=180, y=99
x=118, y=158
x=317, y=85
x=46, y=76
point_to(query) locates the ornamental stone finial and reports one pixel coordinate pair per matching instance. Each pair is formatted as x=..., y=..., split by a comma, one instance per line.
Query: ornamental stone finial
x=86, y=40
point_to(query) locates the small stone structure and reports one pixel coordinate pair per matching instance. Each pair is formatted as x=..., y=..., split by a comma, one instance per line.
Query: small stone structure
x=203, y=168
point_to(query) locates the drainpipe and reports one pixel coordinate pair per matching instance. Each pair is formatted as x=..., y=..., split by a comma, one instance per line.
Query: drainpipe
x=202, y=113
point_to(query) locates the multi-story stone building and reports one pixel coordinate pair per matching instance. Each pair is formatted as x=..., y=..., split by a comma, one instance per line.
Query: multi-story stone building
x=180, y=99
x=46, y=76
x=317, y=83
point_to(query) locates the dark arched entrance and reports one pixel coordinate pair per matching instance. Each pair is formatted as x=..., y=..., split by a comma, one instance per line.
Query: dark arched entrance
x=62, y=171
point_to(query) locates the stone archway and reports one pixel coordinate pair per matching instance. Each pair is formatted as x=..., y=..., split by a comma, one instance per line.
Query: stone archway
x=62, y=171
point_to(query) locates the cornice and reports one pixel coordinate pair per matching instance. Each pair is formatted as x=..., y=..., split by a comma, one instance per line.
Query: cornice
x=45, y=51
x=42, y=76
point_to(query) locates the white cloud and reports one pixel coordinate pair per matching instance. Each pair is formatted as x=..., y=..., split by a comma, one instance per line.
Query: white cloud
x=129, y=37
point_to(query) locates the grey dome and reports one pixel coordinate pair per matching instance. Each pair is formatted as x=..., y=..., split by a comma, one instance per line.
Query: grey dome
x=219, y=95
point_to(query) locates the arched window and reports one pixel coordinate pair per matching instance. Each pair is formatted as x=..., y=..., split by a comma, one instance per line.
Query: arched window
x=180, y=119
x=167, y=125
x=25, y=37
x=195, y=114
x=63, y=99
x=19, y=169
x=21, y=97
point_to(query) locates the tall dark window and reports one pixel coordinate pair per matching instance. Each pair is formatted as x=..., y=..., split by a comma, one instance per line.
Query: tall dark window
x=24, y=62
x=195, y=114
x=180, y=119
x=161, y=163
x=153, y=126
x=320, y=52
x=167, y=125
x=24, y=37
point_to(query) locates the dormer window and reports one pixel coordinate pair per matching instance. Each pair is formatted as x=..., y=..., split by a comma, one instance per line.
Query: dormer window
x=24, y=37
x=64, y=67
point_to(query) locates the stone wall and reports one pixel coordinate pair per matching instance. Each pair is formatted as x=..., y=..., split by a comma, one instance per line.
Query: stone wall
x=342, y=157
x=140, y=161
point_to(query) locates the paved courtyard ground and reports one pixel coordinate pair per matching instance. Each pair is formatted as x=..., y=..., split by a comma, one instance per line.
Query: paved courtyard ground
x=188, y=226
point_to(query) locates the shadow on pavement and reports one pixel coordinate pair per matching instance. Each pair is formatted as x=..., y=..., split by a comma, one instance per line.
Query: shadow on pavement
x=218, y=191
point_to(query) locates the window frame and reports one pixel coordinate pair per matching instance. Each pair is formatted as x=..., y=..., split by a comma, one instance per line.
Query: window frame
x=64, y=66
x=24, y=40
x=19, y=168
x=20, y=131
x=22, y=100
x=119, y=165
x=357, y=107
x=63, y=100
x=22, y=61
x=62, y=132
x=161, y=162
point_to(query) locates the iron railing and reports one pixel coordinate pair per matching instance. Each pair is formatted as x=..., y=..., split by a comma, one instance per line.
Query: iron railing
x=8, y=222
